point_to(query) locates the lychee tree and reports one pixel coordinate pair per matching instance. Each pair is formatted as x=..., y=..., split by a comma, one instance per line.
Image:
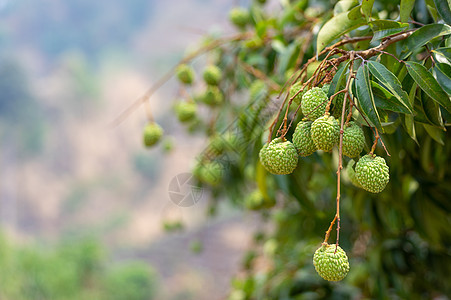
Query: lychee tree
x=303, y=90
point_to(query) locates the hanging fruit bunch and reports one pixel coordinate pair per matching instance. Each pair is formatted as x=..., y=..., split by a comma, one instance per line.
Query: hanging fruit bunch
x=316, y=112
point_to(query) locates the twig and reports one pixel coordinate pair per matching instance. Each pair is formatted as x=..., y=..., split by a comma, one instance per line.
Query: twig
x=259, y=74
x=340, y=145
x=169, y=74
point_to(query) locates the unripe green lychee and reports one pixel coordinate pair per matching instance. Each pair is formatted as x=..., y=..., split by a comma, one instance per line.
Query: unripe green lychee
x=212, y=96
x=212, y=75
x=302, y=139
x=294, y=90
x=325, y=132
x=185, y=74
x=210, y=172
x=256, y=201
x=239, y=17
x=186, y=111
x=372, y=173
x=330, y=264
x=325, y=88
x=279, y=156
x=337, y=106
x=351, y=173
x=314, y=103
x=152, y=134
x=353, y=140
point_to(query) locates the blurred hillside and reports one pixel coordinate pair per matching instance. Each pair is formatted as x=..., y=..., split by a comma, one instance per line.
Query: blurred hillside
x=67, y=69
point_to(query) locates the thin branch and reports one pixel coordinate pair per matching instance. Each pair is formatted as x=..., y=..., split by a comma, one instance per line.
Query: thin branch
x=259, y=74
x=170, y=73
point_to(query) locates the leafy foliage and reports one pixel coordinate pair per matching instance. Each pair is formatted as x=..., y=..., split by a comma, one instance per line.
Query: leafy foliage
x=76, y=270
x=395, y=74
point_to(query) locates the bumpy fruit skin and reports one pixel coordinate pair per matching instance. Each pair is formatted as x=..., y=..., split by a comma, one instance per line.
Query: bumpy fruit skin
x=294, y=89
x=351, y=174
x=314, y=103
x=212, y=75
x=353, y=140
x=212, y=96
x=325, y=88
x=152, y=134
x=337, y=106
x=186, y=111
x=331, y=265
x=279, y=157
x=185, y=74
x=239, y=17
x=372, y=173
x=302, y=139
x=325, y=132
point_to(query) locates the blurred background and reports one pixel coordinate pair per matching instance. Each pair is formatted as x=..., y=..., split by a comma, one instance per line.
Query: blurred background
x=84, y=208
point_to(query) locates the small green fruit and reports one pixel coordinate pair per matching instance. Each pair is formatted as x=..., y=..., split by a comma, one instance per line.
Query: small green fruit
x=351, y=174
x=209, y=172
x=186, y=111
x=330, y=264
x=239, y=17
x=353, y=140
x=325, y=132
x=212, y=96
x=337, y=106
x=302, y=139
x=185, y=74
x=256, y=201
x=314, y=103
x=372, y=173
x=294, y=90
x=152, y=134
x=325, y=88
x=212, y=75
x=279, y=157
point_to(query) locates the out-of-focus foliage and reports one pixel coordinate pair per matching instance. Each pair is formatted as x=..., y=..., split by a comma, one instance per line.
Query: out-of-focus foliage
x=397, y=241
x=75, y=270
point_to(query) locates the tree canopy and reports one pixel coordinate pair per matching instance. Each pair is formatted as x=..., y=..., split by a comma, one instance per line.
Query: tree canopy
x=383, y=65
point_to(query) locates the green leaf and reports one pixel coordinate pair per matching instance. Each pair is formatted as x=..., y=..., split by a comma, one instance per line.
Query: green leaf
x=432, y=111
x=367, y=7
x=384, y=28
x=435, y=133
x=385, y=100
x=442, y=73
x=344, y=6
x=443, y=10
x=406, y=9
x=409, y=124
x=445, y=52
x=424, y=35
x=427, y=83
x=339, y=25
x=365, y=97
x=391, y=83
x=338, y=80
